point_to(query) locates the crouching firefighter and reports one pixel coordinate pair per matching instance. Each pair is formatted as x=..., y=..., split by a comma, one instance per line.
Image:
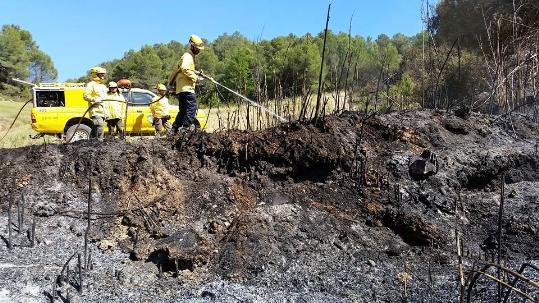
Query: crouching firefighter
x=160, y=113
x=114, y=109
x=94, y=93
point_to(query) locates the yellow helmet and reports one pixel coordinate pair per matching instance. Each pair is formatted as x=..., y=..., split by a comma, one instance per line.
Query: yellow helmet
x=160, y=87
x=196, y=42
x=113, y=84
x=98, y=70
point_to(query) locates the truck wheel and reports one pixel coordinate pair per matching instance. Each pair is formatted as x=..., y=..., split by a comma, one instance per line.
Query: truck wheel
x=83, y=133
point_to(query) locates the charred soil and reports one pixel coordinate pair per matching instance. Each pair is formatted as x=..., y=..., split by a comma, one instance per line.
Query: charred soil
x=349, y=209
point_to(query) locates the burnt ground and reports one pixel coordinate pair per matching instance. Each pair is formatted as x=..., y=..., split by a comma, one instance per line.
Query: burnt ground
x=345, y=210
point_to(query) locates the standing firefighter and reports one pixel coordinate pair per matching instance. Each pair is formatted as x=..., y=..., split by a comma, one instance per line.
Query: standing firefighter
x=159, y=108
x=114, y=109
x=94, y=93
x=184, y=78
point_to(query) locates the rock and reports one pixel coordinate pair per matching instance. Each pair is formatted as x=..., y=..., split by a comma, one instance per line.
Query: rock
x=424, y=166
x=490, y=243
x=415, y=230
x=463, y=112
x=186, y=246
x=371, y=263
x=206, y=294
x=456, y=126
x=182, y=243
x=394, y=250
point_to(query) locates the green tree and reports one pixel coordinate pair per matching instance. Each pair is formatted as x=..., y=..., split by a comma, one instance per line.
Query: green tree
x=207, y=62
x=41, y=67
x=385, y=54
x=144, y=68
x=403, y=92
x=237, y=71
x=274, y=61
x=226, y=45
x=169, y=54
x=303, y=64
x=20, y=57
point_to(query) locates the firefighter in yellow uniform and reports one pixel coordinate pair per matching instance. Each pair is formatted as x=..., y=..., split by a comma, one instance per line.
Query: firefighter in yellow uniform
x=94, y=93
x=114, y=105
x=159, y=108
x=184, y=79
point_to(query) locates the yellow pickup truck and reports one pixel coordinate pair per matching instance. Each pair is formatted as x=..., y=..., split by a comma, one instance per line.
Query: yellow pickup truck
x=58, y=108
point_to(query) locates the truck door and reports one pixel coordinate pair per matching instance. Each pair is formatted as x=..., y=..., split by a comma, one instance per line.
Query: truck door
x=137, y=113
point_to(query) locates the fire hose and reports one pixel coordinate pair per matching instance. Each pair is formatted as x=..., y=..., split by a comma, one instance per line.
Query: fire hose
x=127, y=103
x=20, y=110
x=68, y=140
x=255, y=104
x=16, y=117
x=200, y=73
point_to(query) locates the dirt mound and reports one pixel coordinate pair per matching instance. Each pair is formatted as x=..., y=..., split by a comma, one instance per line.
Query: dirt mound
x=339, y=210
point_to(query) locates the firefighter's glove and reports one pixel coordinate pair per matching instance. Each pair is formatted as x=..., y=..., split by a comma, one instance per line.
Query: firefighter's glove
x=200, y=75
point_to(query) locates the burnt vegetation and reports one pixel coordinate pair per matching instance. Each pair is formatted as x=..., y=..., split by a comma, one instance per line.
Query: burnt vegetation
x=329, y=206
x=360, y=197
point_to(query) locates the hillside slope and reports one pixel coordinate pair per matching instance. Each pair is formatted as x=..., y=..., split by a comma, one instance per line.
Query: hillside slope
x=346, y=210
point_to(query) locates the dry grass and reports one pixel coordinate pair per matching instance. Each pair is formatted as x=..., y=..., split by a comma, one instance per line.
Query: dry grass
x=20, y=133
x=234, y=116
x=231, y=116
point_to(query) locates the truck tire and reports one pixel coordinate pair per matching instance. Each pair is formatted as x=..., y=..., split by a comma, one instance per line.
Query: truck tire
x=83, y=133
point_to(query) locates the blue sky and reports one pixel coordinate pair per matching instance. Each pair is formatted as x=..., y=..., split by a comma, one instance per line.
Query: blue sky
x=80, y=34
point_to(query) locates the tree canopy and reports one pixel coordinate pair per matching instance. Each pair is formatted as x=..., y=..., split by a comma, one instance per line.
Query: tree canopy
x=20, y=57
x=283, y=66
x=468, y=48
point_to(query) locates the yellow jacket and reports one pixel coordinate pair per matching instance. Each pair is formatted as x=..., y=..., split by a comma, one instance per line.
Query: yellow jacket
x=184, y=74
x=95, y=91
x=160, y=108
x=114, y=110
